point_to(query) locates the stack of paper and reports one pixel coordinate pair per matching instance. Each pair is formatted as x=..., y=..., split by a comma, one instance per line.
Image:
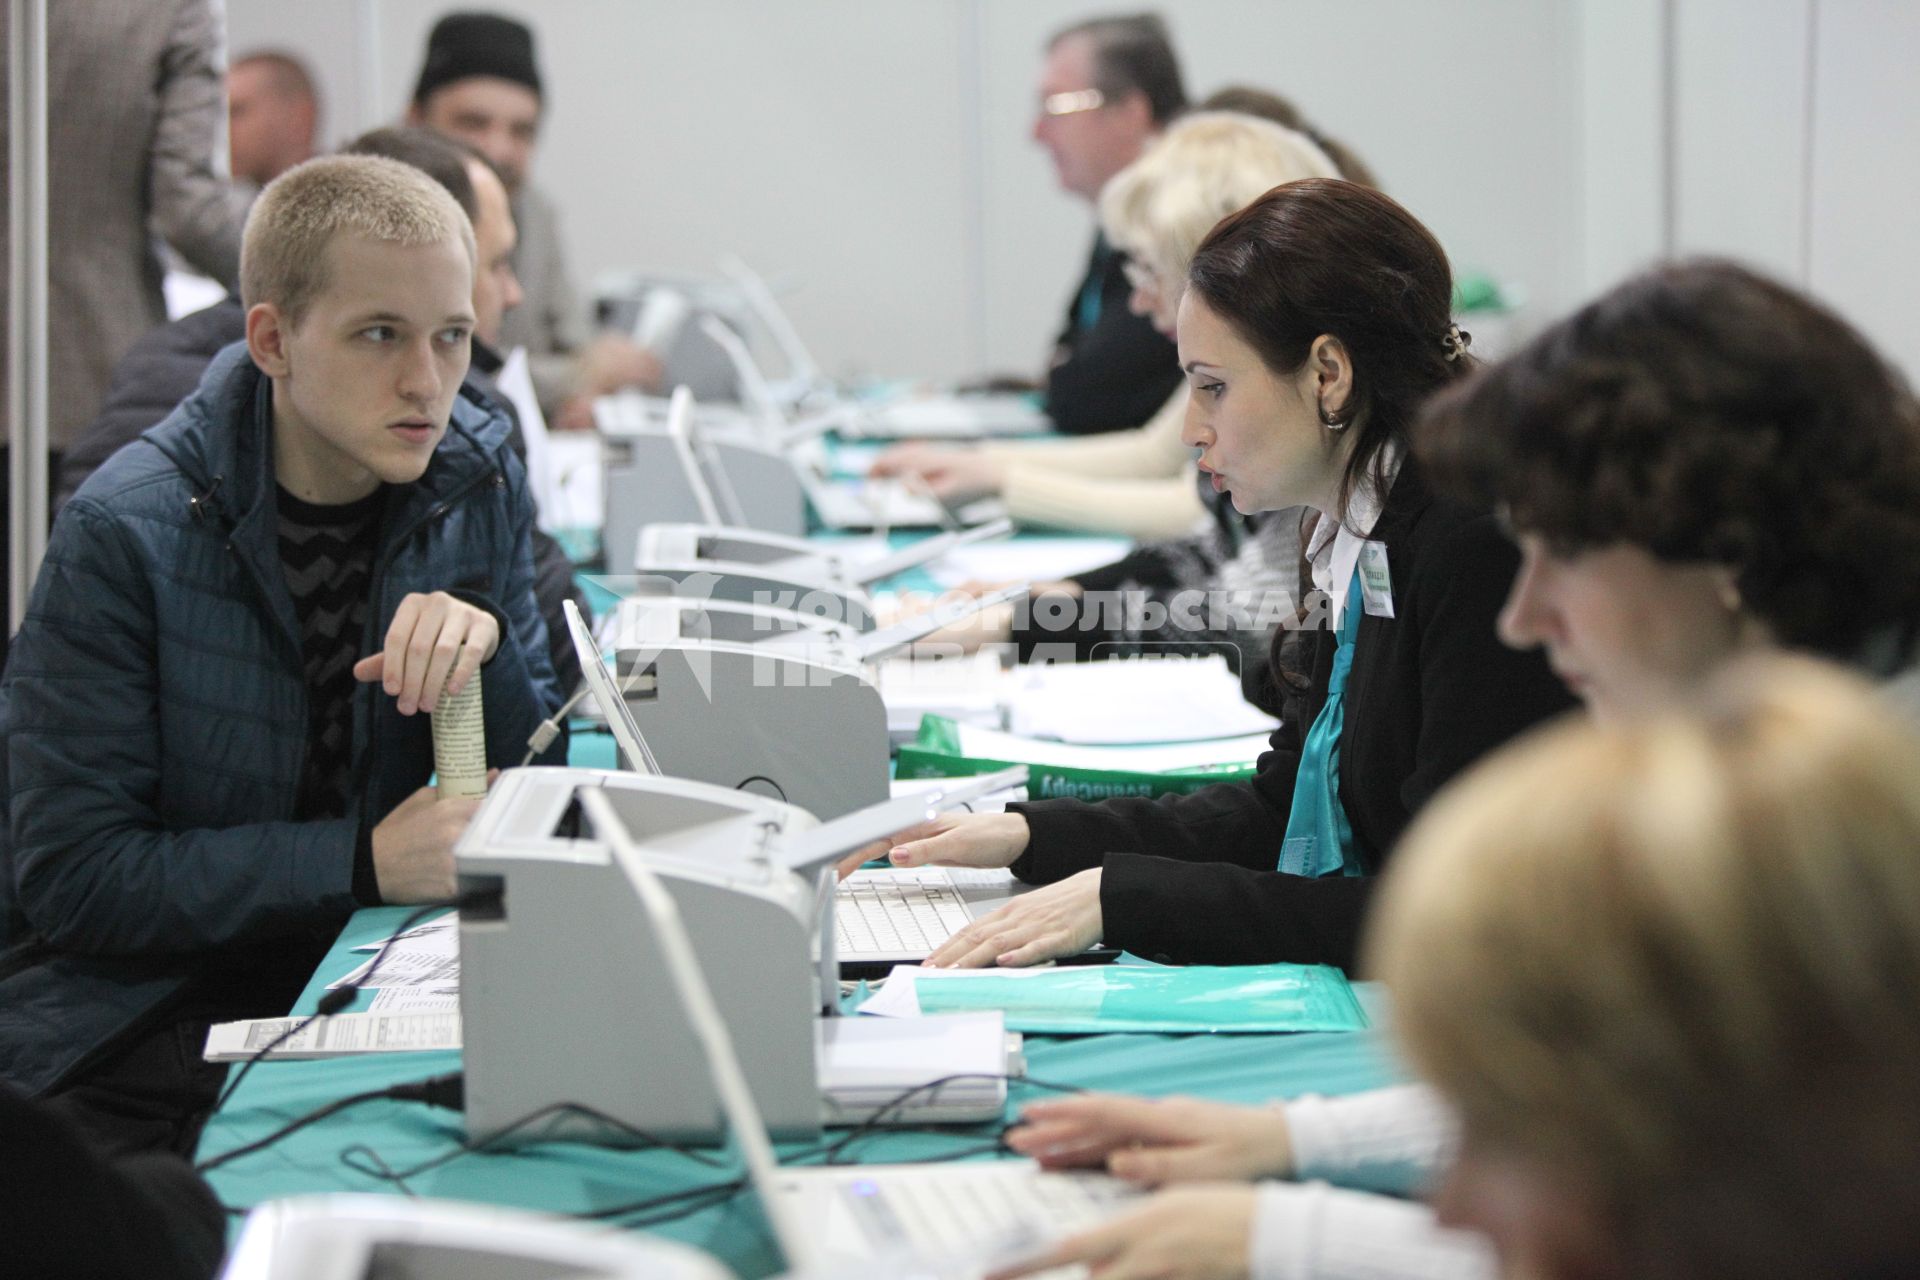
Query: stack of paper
x=420, y=972
x=969, y=689
x=1133, y=701
x=870, y=1064
x=1025, y=560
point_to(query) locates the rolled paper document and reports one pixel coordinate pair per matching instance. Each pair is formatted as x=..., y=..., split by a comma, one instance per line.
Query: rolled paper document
x=460, y=742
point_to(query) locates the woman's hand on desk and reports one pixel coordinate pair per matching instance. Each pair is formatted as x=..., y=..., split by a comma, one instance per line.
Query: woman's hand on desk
x=910, y=458
x=1201, y=1232
x=956, y=476
x=1061, y=919
x=950, y=840
x=1156, y=1140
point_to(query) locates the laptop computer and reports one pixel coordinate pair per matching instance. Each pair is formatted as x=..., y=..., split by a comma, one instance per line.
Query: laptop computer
x=913, y=1217
x=880, y=918
x=842, y=504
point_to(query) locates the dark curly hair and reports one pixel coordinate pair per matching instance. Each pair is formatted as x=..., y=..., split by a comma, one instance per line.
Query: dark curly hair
x=1708, y=415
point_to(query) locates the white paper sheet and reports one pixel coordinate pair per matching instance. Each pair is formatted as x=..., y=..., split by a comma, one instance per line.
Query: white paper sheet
x=416, y=1000
x=404, y=968
x=338, y=1036
x=1129, y=702
x=440, y=936
x=1025, y=560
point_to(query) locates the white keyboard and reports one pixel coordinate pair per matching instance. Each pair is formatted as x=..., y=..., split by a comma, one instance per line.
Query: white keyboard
x=876, y=915
x=1021, y=1208
x=859, y=504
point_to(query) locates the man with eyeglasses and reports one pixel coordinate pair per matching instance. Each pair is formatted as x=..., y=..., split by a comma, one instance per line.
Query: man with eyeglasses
x=1108, y=86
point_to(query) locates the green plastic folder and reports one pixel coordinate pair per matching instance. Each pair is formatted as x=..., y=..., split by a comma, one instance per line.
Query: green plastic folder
x=1099, y=999
x=940, y=751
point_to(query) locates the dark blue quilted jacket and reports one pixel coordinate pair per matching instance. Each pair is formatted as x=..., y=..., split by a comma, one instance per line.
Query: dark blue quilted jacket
x=155, y=715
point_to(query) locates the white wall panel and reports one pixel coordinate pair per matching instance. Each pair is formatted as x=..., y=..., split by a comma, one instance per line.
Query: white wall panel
x=878, y=151
x=1740, y=121
x=1624, y=140
x=1864, y=240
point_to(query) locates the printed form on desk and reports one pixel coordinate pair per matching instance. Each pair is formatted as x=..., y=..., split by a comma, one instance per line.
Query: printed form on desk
x=420, y=972
x=339, y=1036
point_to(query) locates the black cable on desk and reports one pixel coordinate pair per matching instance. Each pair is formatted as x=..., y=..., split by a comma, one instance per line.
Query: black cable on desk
x=718, y=1191
x=398, y=1177
x=893, y=1106
x=436, y=1091
x=691, y=1200
x=331, y=1002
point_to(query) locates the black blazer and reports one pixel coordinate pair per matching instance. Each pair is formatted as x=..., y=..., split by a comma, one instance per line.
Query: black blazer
x=1190, y=879
x=1115, y=373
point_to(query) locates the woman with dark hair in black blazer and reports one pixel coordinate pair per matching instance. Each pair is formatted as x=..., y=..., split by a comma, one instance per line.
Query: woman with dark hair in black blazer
x=1315, y=321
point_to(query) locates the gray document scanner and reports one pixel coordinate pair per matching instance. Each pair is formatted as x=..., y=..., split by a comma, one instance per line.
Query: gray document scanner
x=568, y=1014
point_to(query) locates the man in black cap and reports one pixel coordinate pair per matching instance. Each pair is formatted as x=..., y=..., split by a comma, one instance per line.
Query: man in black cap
x=479, y=83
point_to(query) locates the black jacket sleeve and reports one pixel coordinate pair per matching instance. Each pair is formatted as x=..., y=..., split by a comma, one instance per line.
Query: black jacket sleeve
x=1218, y=913
x=66, y=1210
x=1238, y=822
x=1432, y=690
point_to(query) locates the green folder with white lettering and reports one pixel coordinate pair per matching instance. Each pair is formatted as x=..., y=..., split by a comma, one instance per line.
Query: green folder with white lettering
x=1057, y=770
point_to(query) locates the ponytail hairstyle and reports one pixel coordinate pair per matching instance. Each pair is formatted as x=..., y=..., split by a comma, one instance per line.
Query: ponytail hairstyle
x=1323, y=256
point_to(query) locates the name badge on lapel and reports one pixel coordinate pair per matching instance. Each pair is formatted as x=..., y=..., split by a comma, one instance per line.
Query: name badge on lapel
x=1376, y=584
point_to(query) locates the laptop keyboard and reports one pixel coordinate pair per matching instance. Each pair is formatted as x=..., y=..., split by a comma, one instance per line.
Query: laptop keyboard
x=875, y=916
x=959, y=1214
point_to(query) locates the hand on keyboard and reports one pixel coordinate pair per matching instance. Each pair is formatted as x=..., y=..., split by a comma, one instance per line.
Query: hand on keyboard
x=963, y=840
x=950, y=840
x=1060, y=920
x=1156, y=1140
x=1192, y=1233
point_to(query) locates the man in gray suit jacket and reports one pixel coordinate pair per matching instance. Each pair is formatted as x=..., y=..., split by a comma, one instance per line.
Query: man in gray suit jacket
x=135, y=106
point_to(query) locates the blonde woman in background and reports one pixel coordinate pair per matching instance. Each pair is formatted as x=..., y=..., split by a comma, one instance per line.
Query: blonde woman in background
x=1157, y=210
x=1662, y=971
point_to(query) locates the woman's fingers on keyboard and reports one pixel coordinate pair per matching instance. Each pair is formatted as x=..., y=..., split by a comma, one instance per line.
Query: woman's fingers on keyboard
x=1061, y=919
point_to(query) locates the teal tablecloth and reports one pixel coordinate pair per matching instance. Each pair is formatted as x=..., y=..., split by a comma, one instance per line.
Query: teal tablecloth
x=571, y=1178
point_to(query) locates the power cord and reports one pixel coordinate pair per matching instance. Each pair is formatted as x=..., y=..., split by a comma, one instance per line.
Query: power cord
x=691, y=1200
x=386, y=1173
x=830, y=1154
x=333, y=1001
x=549, y=729
x=448, y=1091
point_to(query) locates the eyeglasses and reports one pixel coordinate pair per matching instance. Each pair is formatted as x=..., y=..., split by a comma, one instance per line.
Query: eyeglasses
x=1072, y=102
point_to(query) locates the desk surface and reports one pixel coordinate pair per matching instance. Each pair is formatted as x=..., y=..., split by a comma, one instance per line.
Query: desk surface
x=573, y=1178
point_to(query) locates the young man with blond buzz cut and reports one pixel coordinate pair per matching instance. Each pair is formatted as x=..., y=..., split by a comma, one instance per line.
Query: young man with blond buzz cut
x=214, y=746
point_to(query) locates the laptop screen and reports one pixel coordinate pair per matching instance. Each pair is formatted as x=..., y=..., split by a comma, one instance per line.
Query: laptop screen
x=626, y=731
